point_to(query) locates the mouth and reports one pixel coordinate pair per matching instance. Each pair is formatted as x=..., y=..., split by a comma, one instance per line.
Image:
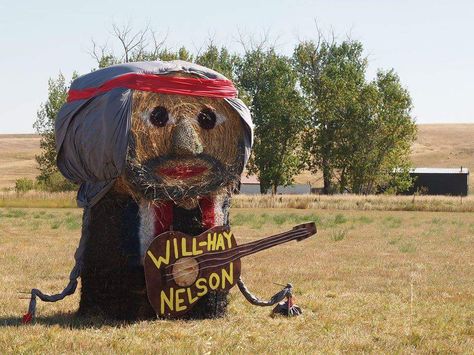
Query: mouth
x=174, y=178
x=182, y=171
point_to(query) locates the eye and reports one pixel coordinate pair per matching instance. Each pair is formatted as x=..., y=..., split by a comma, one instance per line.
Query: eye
x=159, y=116
x=207, y=118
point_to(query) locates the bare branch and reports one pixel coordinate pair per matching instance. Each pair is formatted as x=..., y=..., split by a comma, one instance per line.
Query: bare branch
x=157, y=44
x=349, y=34
x=131, y=41
x=199, y=50
x=241, y=40
x=333, y=36
x=250, y=44
x=211, y=39
x=319, y=34
x=98, y=52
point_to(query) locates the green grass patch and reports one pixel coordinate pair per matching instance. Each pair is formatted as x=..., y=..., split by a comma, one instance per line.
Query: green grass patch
x=340, y=219
x=393, y=241
x=471, y=227
x=238, y=219
x=257, y=222
x=72, y=222
x=15, y=214
x=407, y=248
x=458, y=223
x=280, y=219
x=56, y=224
x=436, y=220
x=392, y=222
x=34, y=225
x=364, y=220
x=338, y=235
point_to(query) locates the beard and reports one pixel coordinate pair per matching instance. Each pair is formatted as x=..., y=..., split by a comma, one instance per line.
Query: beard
x=176, y=178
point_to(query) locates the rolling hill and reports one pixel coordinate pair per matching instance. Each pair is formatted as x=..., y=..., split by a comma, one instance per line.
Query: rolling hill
x=17, y=157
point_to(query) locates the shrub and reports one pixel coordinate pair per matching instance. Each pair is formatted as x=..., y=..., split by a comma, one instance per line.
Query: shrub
x=340, y=219
x=56, y=183
x=24, y=185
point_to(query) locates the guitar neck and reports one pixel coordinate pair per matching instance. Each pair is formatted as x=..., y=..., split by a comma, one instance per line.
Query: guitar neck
x=266, y=243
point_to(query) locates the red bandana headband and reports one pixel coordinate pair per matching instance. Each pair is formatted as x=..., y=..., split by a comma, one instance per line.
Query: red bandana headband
x=160, y=84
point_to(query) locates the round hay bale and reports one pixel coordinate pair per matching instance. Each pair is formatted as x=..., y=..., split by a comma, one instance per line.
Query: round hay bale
x=184, y=158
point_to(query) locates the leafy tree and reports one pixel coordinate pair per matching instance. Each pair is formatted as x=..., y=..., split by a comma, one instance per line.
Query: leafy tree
x=219, y=59
x=358, y=132
x=270, y=83
x=49, y=176
x=331, y=76
x=388, y=139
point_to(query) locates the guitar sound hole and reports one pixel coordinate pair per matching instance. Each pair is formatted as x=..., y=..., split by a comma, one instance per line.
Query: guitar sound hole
x=185, y=271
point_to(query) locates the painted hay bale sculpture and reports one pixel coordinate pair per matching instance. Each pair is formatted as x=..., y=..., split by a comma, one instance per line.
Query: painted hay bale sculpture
x=155, y=146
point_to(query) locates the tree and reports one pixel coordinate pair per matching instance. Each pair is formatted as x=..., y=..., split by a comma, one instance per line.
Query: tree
x=358, y=132
x=49, y=176
x=219, y=59
x=382, y=159
x=270, y=83
x=330, y=75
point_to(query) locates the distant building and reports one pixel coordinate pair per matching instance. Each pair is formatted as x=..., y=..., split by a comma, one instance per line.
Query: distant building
x=437, y=181
x=251, y=186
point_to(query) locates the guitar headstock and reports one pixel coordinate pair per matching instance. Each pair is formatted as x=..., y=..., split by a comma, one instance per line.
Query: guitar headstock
x=310, y=228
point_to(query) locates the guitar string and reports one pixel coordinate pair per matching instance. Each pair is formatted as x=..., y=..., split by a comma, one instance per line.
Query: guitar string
x=233, y=258
x=266, y=244
x=228, y=259
x=282, y=236
x=256, y=241
x=252, y=243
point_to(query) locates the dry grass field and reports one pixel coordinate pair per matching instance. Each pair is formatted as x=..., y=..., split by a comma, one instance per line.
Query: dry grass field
x=17, y=157
x=444, y=145
x=370, y=281
x=41, y=199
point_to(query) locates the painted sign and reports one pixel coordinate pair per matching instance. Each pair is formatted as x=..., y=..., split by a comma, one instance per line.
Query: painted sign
x=180, y=269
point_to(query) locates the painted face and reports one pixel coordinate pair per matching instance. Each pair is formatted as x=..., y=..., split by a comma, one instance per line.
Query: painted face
x=182, y=146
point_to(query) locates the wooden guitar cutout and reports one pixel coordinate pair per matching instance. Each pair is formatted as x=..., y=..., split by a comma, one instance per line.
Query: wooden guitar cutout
x=180, y=269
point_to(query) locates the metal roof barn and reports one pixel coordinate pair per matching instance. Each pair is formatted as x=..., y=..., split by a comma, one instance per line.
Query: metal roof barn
x=440, y=181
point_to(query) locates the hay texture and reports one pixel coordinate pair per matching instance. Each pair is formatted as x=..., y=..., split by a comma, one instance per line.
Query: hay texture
x=181, y=170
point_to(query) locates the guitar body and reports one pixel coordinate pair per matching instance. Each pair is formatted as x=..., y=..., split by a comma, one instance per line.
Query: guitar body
x=178, y=272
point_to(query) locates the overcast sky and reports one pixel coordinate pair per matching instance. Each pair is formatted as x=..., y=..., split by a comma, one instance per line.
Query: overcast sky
x=428, y=43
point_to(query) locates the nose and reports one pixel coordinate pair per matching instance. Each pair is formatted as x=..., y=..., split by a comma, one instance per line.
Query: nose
x=185, y=140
